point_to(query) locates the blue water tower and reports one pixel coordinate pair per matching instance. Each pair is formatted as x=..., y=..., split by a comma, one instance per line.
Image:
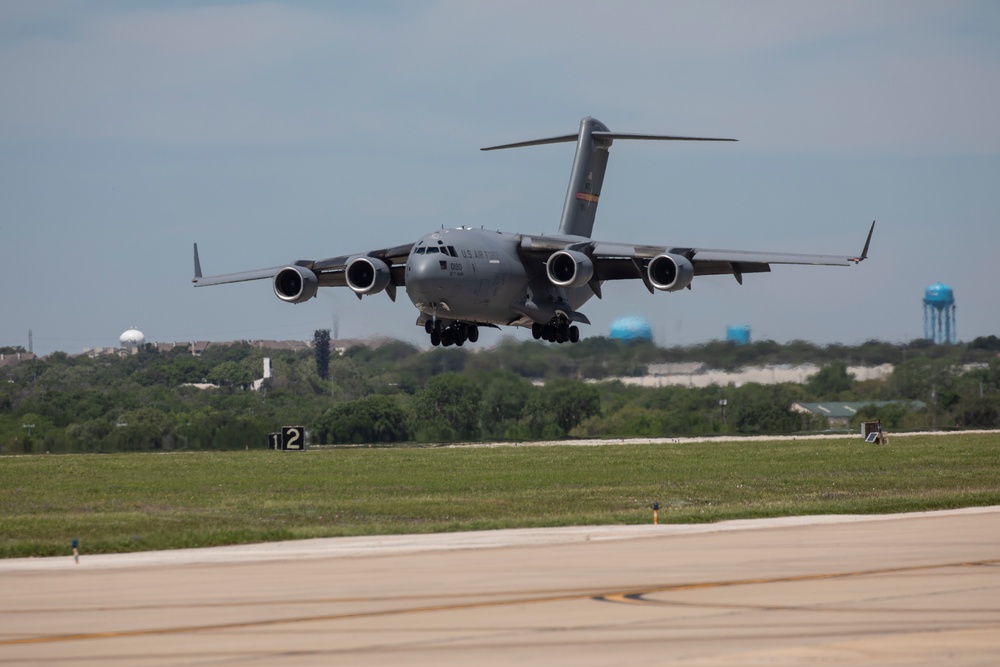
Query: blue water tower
x=738, y=333
x=630, y=328
x=939, y=314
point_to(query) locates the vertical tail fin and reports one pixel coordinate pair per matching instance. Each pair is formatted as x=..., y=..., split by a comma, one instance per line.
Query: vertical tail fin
x=587, y=176
x=585, y=180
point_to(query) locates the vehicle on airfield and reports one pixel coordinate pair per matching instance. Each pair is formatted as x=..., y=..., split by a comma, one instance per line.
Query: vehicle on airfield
x=462, y=279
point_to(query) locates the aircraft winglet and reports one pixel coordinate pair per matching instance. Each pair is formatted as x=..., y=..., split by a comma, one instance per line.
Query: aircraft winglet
x=864, y=252
x=197, y=265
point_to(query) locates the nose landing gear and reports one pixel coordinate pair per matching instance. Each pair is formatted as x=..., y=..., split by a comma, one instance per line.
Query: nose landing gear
x=558, y=330
x=453, y=334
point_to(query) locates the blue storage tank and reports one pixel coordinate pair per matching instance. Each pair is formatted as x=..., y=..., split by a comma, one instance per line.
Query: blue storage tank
x=739, y=334
x=631, y=327
x=939, y=295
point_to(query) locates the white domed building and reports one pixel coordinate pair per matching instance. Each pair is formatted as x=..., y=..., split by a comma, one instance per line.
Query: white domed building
x=132, y=340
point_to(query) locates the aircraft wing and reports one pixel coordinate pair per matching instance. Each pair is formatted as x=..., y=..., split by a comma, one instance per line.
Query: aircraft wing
x=621, y=261
x=624, y=263
x=329, y=272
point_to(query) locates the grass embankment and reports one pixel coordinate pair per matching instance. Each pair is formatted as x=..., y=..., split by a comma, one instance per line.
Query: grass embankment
x=133, y=502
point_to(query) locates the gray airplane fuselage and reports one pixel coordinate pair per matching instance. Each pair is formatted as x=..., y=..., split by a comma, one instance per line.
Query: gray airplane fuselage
x=480, y=276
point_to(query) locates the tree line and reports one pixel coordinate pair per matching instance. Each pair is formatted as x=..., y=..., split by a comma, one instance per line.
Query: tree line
x=393, y=392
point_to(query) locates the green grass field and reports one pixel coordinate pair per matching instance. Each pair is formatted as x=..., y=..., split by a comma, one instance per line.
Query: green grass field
x=138, y=502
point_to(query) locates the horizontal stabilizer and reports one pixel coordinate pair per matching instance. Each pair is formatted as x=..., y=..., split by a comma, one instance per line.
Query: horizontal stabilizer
x=653, y=137
x=566, y=138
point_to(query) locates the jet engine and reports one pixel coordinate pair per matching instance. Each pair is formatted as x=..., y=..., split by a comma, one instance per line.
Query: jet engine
x=295, y=284
x=367, y=275
x=569, y=268
x=669, y=272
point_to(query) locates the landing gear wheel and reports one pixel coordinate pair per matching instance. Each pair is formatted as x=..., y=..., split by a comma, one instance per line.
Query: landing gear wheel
x=447, y=337
x=574, y=334
x=428, y=326
x=536, y=330
x=473, y=333
x=435, y=338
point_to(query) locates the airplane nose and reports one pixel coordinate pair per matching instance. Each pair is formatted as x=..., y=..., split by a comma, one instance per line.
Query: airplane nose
x=421, y=271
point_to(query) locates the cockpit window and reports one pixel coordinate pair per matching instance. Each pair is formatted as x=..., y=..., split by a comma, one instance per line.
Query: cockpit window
x=452, y=252
x=420, y=251
x=432, y=250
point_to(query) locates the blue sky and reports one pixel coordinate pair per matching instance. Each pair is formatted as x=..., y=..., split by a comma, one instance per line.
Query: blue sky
x=269, y=132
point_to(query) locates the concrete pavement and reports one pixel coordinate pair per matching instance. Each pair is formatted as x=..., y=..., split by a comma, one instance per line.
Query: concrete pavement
x=911, y=589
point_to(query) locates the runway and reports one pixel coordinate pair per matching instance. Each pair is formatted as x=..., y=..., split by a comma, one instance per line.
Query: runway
x=909, y=589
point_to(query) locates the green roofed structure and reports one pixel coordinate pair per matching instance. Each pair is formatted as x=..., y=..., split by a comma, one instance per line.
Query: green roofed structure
x=840, y=413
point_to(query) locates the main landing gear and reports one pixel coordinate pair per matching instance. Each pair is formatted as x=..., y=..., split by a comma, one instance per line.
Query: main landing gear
x=556, y=331
x=453, y=334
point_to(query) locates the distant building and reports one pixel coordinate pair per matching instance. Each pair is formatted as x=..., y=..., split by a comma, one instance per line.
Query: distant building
x=697, y=374
x=840, y=413
x=132, y=339
x=680, y=368
x=15, y=358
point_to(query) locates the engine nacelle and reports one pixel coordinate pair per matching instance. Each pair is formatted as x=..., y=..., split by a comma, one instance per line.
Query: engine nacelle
x=367, y=275
x=670, y=272
x=569, y=268
x=295, y=284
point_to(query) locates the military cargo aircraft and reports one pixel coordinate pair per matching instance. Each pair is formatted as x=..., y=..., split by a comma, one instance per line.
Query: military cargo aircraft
x=462, y=279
